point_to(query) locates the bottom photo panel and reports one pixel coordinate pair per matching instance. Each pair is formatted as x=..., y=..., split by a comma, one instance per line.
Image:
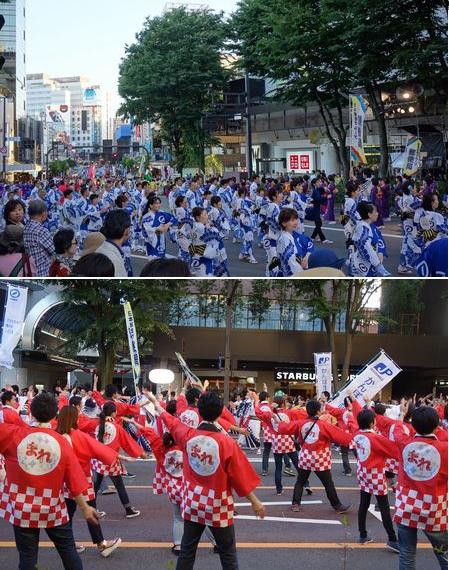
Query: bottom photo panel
x=223, y=424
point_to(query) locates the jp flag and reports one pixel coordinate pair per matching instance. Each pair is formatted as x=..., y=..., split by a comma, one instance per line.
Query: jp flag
x=375, y=376
x=323, y=372
x=13, y=321
x=132, y=340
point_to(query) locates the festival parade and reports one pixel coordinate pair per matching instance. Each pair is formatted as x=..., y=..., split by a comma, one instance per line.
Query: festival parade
x=223, y=284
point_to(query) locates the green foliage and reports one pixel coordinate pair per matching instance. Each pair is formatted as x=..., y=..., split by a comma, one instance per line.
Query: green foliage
x=170, y=75
x=214, y=165
x=99, y=309
x=401, y=297
x=57, y=167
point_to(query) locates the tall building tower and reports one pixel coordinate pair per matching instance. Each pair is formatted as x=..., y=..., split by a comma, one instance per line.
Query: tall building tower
x=12, y=46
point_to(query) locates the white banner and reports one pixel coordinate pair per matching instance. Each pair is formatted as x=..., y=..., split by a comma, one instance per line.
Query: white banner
x=375, y=376
x=132, y=340
x=15, y=308
x=323, y=372
x=190, y=375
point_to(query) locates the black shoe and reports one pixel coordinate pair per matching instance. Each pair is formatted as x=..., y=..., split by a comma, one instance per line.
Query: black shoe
x=129, y=475
x=308, y=490
x=365, y=540
x=175, y=551
x=131, y=512
x=215, y=550
x=342, y=509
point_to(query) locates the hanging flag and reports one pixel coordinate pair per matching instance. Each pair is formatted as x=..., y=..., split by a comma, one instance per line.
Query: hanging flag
x=370, y=380
x=132, y=340
x=323, y=372
x=358, y=111
x=13, y=322
x=411, y=162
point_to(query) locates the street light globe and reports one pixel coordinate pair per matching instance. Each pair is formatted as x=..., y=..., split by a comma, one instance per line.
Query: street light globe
x=161, y=376
x=406, y=95
x=411, y=109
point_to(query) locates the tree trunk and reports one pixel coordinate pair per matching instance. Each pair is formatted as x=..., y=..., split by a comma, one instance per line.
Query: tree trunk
x=231, y=288
x=379, y=114
x=106, y=364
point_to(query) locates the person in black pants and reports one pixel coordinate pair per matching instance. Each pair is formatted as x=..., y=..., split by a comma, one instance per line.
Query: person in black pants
x=315, y=212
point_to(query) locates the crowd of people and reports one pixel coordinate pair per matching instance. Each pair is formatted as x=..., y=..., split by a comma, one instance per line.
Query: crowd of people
x=91, y=227
x=58, y=448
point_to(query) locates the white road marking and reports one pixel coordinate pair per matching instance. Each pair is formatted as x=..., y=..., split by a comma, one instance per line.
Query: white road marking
x=341, y=230
x=287, y=519
x=279, y=503
x=377, y=514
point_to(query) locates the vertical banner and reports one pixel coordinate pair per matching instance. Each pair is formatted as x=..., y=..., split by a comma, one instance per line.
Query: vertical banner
x=323, y=372
x=132, y=340
x=13, y=321
x=370, y=380
x=411, y=162
x=358, y=111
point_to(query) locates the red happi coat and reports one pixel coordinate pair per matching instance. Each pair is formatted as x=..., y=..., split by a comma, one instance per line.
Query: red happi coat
x=190, y=416
x=214, y=467
x=315, y=454
x=122, y=408
x=12, y=416
x=168, y=476
x=39, y=462
x=421, y=493
x=267, y=430
x=86, y=449
x=281, y=443
x=372, y=451
x=116, y=438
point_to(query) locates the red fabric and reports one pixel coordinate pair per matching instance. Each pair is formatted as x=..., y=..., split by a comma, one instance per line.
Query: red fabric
x=421, y=495
x=214, y=466
x=190, y=417
x=11, y=416
x=181, y=404
x=87, y=448
x=57, y=269
x=62, y=401
x=122, y=408
x=38, y=462
x=281, y=443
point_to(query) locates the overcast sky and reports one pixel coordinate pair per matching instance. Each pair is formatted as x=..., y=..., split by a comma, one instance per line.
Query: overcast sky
x=88, y=37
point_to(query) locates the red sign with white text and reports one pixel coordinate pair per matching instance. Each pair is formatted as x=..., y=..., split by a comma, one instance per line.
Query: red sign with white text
x=304, y=161
x=294, y=162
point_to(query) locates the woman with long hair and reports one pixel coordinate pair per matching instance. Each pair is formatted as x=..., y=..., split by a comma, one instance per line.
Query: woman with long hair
x=86, y=448
x=112, y=434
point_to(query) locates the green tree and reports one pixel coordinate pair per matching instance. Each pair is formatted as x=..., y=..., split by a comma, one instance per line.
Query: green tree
x=292, y=43
x=102, y=316
x=170, y=75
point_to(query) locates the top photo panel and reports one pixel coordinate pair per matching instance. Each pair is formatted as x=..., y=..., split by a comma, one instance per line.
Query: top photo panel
x=268, y=139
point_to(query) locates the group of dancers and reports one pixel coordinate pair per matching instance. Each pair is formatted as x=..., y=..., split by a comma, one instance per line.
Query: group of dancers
x=56, y=452
x=268, y=213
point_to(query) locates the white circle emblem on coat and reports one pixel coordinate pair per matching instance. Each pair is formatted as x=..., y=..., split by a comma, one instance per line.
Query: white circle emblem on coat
x=173, y=463
x=363, y=447
x=313, y=435
x=203, y=454
x=421, y=461
x=190, y=418
x=110, y=431
x=38, y=453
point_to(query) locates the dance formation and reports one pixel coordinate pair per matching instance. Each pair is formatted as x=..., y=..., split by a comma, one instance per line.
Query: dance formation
x=56, y=450
x=199, y=217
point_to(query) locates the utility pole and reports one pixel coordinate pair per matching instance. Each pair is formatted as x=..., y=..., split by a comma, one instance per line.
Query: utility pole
x=249, y=134
x=231, y=290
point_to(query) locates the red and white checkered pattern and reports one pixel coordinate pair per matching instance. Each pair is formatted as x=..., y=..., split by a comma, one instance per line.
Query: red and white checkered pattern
x=267, y=434
x=392, y=465
x=28, y=507
x=88, y=494
x=320, y=460
x=204, y=506
x=114, y=469
x=159, y=482
x=282, y=443
x=174, y=489
x=417, y=510
x=372, y=481
x=2, y=461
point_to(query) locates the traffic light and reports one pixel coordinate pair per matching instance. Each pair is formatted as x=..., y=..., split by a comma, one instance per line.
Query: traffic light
x=2, y=59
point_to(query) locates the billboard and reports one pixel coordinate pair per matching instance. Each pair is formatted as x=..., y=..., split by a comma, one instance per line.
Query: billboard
x=57, y=118
x=91, y=96
x=301, y=161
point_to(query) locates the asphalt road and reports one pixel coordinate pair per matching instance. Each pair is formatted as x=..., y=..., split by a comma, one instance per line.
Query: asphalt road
x=392, y=234
x=314, y=538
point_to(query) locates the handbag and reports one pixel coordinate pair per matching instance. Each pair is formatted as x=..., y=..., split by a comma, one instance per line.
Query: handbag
x=22, y=265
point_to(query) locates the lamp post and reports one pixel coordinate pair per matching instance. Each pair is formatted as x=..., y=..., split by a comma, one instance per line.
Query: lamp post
x=249, y=134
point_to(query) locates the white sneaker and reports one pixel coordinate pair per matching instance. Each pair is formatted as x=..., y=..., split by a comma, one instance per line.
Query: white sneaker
x=404, y=270
x=253, y=260
x=328, y=241
x=108, y=547
x=80, y=548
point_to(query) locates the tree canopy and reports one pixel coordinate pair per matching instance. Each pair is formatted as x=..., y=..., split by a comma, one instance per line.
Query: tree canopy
x=171, y=73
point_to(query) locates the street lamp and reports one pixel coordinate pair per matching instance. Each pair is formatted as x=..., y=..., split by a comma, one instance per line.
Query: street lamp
x=161, y=376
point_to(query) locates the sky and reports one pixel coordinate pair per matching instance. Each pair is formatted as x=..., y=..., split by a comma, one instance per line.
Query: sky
x=88, y=37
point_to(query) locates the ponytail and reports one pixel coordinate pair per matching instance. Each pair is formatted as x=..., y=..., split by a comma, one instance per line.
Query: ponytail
x=108, y=409
x=167, y=439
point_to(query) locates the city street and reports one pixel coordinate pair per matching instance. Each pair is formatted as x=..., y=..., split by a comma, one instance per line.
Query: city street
x=313, y=538
x=392, y=234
